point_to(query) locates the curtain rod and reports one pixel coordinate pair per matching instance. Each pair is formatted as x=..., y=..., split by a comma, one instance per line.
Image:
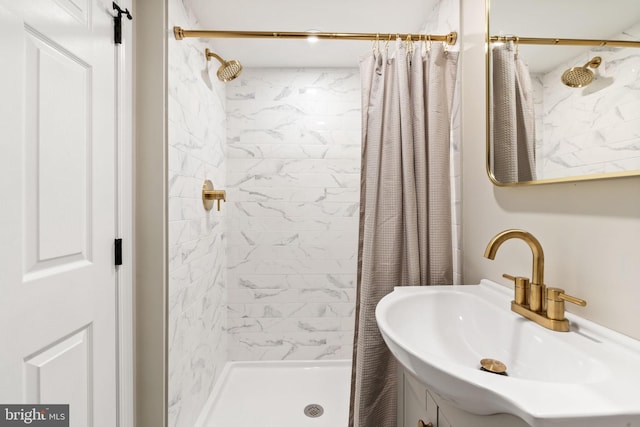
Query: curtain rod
x=565, y=42
x=181, y=33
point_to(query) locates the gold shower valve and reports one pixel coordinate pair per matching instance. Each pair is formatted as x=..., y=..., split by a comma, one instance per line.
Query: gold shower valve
x=209, y=195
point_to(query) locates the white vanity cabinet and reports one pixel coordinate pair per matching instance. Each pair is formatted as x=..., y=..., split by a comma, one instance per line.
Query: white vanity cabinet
x=416, y=403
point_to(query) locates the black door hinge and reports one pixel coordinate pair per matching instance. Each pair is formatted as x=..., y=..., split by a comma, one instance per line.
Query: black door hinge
x=117, y=23
x=118, y=252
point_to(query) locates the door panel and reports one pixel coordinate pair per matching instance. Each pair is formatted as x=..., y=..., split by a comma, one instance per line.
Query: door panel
x=58, y=147
x=57, y=222
x=61, y=374
x=79, y=9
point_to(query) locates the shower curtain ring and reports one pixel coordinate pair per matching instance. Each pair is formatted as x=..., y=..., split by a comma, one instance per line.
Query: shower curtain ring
x=409, y=44
x=427, y=48
x=376, y=44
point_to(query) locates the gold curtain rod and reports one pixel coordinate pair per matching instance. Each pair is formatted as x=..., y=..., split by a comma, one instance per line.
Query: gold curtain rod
x=565, y=42
x=181, y=33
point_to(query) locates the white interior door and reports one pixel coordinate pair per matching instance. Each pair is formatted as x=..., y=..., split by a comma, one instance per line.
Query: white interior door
x=57, y=221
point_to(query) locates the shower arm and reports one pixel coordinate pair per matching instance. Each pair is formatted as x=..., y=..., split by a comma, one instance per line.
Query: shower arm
x=181, y=33
x=564, y=42
x=208, y=54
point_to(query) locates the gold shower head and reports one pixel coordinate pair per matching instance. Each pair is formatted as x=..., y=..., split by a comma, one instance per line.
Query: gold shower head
x=229, y=70
x=581, y=76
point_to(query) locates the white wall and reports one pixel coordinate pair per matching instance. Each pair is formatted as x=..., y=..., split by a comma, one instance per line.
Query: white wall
x=589, y=230
x=196, y=238
x=150, y=286
x=293, y=189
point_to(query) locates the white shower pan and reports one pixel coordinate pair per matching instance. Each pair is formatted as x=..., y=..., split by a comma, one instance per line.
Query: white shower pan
x=280, y=394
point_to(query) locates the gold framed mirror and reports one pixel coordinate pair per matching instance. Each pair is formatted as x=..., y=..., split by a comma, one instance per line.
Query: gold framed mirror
x=563, y=90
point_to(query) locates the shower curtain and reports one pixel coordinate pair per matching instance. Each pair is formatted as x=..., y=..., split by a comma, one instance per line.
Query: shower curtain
x=405, y=205
x=512, y=117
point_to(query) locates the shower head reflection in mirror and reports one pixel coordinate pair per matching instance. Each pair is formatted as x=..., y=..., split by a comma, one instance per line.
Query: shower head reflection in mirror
x=581, y=76
x=587, y=132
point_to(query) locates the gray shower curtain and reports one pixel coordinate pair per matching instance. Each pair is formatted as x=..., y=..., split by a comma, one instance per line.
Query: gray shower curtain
x=512, y=117
x=405, y=206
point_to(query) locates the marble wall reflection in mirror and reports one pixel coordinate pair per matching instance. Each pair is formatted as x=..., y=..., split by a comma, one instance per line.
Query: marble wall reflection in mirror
x=541, y=129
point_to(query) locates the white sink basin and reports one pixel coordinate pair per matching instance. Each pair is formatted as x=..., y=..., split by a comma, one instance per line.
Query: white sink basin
x=587, y=377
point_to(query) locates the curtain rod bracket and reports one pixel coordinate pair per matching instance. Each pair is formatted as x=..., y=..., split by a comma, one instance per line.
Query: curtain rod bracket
x=178, y=32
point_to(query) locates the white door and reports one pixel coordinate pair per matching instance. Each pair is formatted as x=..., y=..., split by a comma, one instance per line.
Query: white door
x=57, y=216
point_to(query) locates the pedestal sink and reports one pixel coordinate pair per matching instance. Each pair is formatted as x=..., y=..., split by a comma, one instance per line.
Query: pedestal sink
x=587, y=377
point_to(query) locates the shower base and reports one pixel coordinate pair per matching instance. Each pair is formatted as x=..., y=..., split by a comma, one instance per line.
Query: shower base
x=280, y=394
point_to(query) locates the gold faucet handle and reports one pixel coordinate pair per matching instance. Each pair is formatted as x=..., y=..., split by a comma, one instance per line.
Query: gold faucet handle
x=521, y=288
x=222, y=195
x=558, y=294
x=555, y=303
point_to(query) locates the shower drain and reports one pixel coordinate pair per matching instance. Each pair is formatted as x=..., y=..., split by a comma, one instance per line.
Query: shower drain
x=313, y=411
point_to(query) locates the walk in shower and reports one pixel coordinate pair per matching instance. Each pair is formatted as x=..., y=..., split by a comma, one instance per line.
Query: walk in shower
x=268, y=281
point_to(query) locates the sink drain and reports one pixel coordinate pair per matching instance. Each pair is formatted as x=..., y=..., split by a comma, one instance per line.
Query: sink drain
x=313, y=411
x=494, y=366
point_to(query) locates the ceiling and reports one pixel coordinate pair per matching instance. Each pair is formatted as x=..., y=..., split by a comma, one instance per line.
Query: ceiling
x=539, y=18
x=345, y=16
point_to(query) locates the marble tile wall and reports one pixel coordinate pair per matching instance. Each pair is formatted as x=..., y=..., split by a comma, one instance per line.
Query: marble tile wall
x=537, y=83
x=595, y=129
x=293, y=177
x=197, y=238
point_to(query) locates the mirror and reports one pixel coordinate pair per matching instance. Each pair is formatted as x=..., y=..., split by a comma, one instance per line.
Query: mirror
x=562, y=112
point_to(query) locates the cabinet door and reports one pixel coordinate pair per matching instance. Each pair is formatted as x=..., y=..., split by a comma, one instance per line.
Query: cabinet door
x=442, y=420
x=415, y=404
x=449, y=416
x=432, y=410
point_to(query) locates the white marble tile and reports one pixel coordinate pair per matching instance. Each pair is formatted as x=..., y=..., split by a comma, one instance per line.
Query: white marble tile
x=294, y=163
x=295, y=151
x=197, y=260
x=591, y=129
x=237, y=255
x=294, y=266
x=292, y=223
x=279, y=325
x=287, y=210
x=291, y=345
x=443, y=18
x=302, y=238
x=325, y=294
x=299, y=309
x=250, y=193
x=293, y=281
x=289, y=166
x=299, y=180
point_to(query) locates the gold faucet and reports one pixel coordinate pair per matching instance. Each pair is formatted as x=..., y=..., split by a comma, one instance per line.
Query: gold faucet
x=534, y=300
